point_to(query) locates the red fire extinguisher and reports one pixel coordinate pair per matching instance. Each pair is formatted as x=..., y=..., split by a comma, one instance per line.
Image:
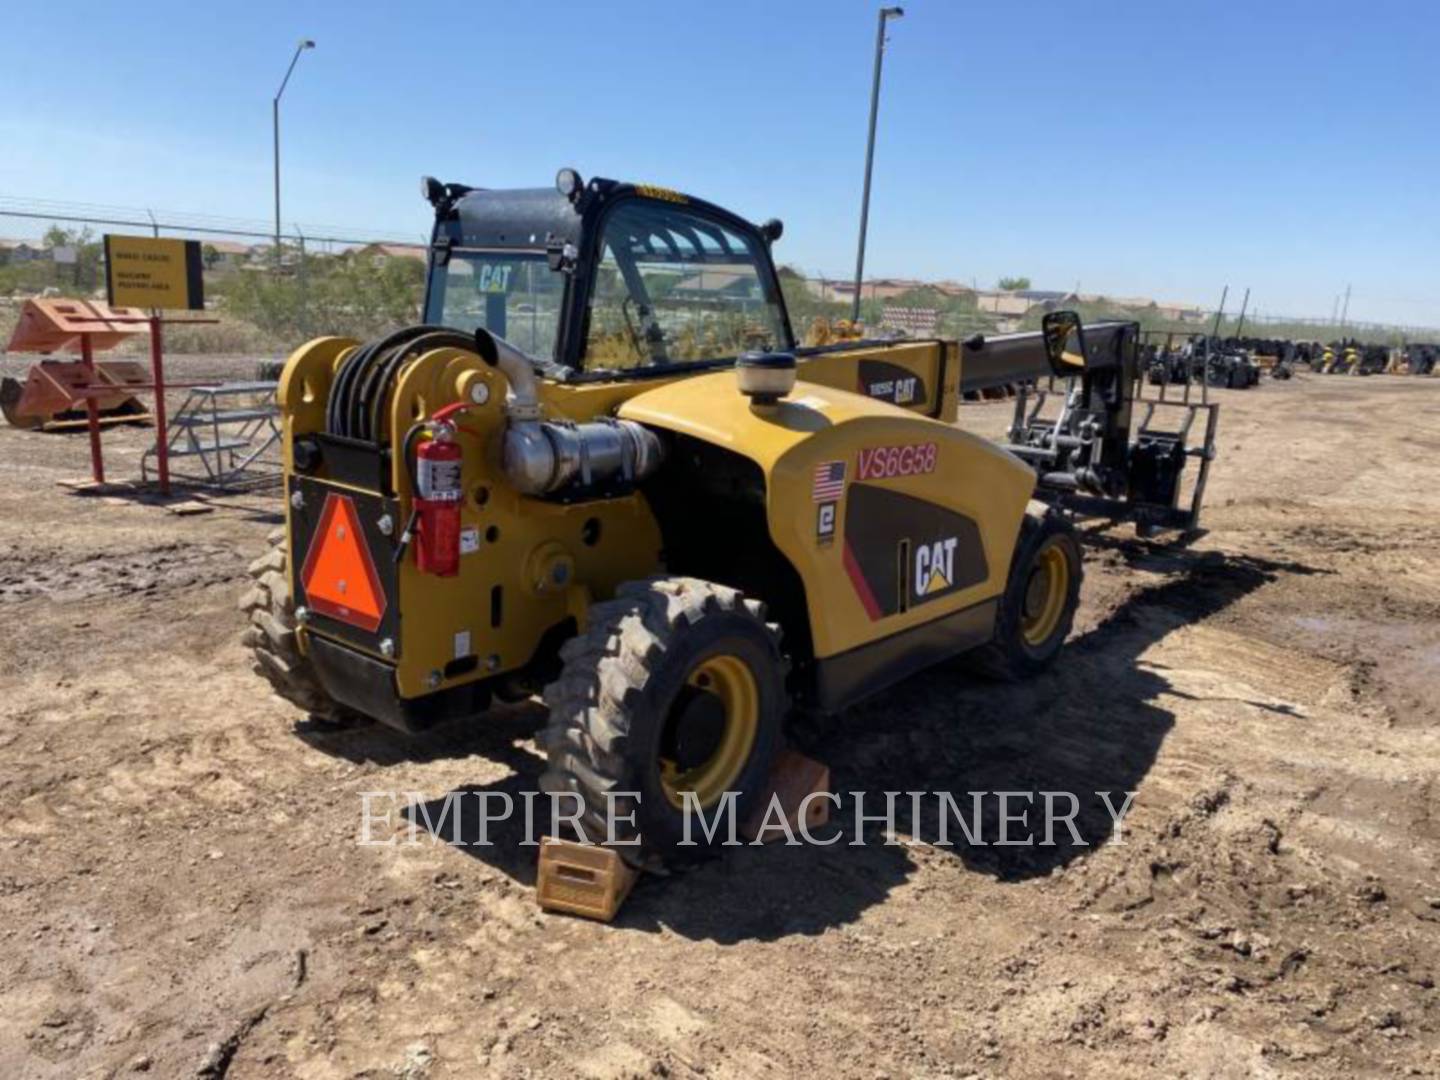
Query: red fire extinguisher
x=438, y=495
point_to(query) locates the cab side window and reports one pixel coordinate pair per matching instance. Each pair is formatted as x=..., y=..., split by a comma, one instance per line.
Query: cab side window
x=673, y=287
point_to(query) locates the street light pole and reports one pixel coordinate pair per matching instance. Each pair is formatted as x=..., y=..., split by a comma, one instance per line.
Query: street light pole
x=305, y=43
x=886, y=13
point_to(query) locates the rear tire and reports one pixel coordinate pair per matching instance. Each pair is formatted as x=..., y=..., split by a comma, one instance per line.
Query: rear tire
x=676, y=685
x=1038, y=607
x=273, y=643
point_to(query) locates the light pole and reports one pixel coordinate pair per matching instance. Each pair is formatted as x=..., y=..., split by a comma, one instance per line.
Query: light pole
x=305, y=43
x=886, y=13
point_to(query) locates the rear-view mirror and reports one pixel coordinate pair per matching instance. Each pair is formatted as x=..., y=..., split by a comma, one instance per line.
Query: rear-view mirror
x=1064, y=342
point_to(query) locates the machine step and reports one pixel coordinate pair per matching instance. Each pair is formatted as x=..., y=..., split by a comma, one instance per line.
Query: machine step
x=223, y=416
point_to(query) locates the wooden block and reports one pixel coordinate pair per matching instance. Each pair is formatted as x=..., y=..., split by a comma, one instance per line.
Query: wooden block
x=793, y=777
x=90, y=487
x=190, y=506
x=582, y=879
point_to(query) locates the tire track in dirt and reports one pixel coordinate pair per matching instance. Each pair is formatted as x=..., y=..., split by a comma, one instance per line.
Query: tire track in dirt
x=165, y=568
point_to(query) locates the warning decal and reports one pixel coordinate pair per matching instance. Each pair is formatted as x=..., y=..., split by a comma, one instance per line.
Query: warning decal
x=339, y=575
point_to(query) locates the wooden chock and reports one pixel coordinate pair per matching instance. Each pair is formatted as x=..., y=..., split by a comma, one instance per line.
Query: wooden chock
x=793, y=777
x=582, y=879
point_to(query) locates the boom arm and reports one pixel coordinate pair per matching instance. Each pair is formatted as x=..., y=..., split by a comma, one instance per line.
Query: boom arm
x=1002, y=359
x=1091, y=459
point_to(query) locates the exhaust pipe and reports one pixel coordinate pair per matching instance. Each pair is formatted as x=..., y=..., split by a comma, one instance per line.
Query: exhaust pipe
x=544, y=457
x=523, y=402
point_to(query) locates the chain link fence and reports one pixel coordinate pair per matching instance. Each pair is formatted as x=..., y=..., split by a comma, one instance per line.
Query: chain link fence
x=267, y=298
x=963, y=310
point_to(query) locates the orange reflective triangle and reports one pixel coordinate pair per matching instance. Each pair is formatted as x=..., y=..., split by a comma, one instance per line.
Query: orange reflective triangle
x=339, y=576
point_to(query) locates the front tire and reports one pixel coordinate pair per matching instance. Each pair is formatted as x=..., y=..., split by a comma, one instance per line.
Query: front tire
x=677, y=685
x=1038, y=608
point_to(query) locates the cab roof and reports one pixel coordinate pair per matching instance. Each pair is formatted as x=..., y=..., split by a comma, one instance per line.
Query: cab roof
x=544, y=218
x=518, y=217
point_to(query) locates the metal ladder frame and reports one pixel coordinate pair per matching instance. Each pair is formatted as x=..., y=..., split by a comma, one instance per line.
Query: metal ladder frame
x=238, y=452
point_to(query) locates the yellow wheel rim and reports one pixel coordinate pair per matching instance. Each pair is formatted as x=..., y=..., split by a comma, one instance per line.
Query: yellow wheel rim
x=1045, y=595
x=730, y=680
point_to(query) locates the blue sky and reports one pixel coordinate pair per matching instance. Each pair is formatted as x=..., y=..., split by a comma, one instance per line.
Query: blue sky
x=1145, y=147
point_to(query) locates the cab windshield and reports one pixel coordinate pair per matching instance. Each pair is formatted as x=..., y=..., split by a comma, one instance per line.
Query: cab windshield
x=513, y=294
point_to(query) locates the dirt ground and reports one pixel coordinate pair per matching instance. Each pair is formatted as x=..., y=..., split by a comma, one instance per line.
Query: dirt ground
x=182, y=894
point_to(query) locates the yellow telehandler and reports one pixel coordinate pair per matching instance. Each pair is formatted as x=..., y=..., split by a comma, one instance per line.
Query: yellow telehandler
x=602, y=470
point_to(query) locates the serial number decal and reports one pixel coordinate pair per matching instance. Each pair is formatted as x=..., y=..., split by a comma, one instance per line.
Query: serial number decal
x=899, y=391
x=886, y=462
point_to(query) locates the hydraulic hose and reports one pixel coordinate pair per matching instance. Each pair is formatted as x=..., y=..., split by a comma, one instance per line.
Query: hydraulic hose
x=384, y=372
x=343, y=410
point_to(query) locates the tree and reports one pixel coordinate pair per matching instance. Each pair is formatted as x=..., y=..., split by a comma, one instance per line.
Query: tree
x=349, y=297
x=84, y=274
x=1011, y=283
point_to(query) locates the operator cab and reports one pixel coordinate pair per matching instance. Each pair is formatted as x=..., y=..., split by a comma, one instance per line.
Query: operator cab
x=605, y=280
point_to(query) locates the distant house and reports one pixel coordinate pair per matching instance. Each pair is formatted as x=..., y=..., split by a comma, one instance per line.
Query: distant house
x=829, y=289
x=953, y=289
x=873, y=289
x=1041, y=296
x=21, y=251
x=889, y=288
x=1130, y=303
x=225, y=255
x=1179, y=312
x=1004, y=303
x=739, y=282
x=881, y=288
x=380, y=254
x=261, y=257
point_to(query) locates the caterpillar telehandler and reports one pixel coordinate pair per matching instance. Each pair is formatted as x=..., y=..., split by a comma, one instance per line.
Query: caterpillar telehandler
x=603, y=470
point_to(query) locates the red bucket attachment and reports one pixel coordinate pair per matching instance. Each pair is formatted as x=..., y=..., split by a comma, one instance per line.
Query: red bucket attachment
x=53, y=394
x=54, y=323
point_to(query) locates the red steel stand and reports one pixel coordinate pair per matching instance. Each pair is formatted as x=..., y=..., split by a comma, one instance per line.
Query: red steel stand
x=156, y=385
x=162, y=434
x=92, y=411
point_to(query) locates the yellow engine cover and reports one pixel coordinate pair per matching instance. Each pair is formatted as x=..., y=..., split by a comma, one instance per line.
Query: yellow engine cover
x=891, y=519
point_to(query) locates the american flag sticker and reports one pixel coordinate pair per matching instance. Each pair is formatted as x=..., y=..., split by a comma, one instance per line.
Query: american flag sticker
x=829, y=481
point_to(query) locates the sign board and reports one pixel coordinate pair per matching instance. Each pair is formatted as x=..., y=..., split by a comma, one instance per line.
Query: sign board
x=153, y=272
x=64, y=254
